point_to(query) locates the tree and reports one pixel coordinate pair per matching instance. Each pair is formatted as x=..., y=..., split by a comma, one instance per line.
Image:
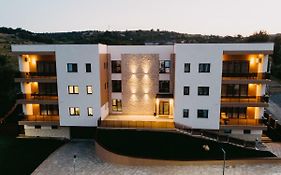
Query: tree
x=258, y=37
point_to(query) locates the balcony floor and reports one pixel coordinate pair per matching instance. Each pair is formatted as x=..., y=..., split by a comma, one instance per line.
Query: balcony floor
x=138, y=121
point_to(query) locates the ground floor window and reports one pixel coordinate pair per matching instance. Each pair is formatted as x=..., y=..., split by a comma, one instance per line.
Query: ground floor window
x=116, y=105
x=202, y=113
x=49, y=109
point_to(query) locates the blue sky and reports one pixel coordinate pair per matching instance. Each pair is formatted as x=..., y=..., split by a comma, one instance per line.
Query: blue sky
x=222, y=17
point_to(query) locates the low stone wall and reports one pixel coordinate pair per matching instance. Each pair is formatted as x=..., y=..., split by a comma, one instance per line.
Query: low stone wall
x=47, y=131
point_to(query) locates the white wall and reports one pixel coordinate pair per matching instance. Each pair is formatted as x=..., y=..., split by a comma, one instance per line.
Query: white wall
x=80, y=54
x=195, y=54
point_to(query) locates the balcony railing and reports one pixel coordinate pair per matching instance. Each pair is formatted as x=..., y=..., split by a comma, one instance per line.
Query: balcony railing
x=249, y=75
x=35, y=74
x=245, y=99
x=243, y=122
x=41, y=118
x=37, y=96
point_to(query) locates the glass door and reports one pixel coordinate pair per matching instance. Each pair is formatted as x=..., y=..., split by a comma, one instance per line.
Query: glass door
x=164, y=108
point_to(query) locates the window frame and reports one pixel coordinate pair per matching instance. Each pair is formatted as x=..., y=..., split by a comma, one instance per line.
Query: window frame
x=202, y=69
x=74, y=89
x=203, y=90
x=91, y=89
x=185, y=66
x=114, y=88
x=184, y=90
x=76, y=111
x=88, y=67
x=201, y=111
x=90, y=111
x=185, y=111
x=165, y=69
x=115, y=63
x=117, y=104
x=166, y=89
x=69, y=67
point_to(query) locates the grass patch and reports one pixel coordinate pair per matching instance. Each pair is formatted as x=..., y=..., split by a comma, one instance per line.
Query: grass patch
x=169, y=146
x=22, y=156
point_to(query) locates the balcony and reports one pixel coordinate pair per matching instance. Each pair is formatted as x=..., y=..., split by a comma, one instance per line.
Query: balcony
x=39, y=119
x=247, y=101
x=37, y=98
x=36, y=77
x=228, y=123
x=234, y=78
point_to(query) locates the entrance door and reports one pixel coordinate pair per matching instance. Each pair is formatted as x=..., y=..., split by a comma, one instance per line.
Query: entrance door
x=164, y=108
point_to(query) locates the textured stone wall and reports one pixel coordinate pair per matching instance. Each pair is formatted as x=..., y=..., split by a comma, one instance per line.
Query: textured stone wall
x=140, y=79
x=47, y=131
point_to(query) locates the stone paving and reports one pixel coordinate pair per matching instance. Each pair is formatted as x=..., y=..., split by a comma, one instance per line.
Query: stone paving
x=61, y=162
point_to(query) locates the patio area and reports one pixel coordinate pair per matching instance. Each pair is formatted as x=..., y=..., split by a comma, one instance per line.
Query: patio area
x=138, y=121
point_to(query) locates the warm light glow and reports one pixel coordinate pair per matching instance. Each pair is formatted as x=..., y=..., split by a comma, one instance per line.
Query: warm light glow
x=260, y=55
x=171, y=101
x=157, y=101
x=252, y=60
x=146, y=66
x=133, y=67
x=146, y=97
x=134, y=97
x=33, y=61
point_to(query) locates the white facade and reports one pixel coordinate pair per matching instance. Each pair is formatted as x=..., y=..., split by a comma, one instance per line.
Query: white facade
x=194, y=54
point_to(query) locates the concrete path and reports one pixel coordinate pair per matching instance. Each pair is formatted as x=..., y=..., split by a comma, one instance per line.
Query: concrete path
x=61, y=162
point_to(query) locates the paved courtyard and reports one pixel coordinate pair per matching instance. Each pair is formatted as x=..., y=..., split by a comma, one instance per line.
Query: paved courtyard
x=87, y=162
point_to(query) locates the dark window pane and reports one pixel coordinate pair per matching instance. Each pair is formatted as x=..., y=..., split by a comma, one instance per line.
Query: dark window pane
x=185, y=113
x=203, y=91
x=116, y=66
x=186, y=67
x=202, y=113
x=72, y=67
x=88, y=67
x=204, y=67
x=116, y=86
x=164, y=66
x=186, y=90
x=164, y=86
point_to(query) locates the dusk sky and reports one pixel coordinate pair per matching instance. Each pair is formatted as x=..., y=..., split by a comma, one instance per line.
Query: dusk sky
x=222, y=17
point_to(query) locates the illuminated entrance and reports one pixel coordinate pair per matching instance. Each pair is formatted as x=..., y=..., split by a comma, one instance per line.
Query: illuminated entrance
x=164, y=105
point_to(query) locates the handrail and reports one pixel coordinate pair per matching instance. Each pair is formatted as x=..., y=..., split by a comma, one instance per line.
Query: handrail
x=41, y=118
x=245, y=99
x=34, y=96
x=247, y=122
x=35, y=74
x=250, y=75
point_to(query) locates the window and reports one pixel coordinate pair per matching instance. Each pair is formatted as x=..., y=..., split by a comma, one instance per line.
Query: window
x=37, y=126
x=202, y=113
x=116, y=66
x=89, y=89
x=116, y=86
x=204, y=67
x=185, y=113
x=74, y=111
x=238, y=66
x=234, y=112
x=48, y=67
x=48, y=88
x=164, y=86
x=72, y=67
x=73, y=89
x=88, y=67
x=164, y=66
x=54, y=126
x=49, y=109
x=204, y=91
x=186, y=90
x=90, y=111
x=116, y=105
x=238, y=90
x=247, y=131
x=186, y=67
x=227, y=131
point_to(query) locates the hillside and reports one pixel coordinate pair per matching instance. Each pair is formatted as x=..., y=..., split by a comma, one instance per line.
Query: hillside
x=8, y=36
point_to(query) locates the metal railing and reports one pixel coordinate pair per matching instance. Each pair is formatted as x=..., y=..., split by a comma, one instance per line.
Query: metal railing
x=35, y=74
x=248, y=75
x=37, y=96
x=244, y=122
x=263, y=99
x=136, y=124
x=41, y=118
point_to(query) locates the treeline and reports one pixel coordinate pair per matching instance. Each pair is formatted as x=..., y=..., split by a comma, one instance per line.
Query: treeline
x=136, y=37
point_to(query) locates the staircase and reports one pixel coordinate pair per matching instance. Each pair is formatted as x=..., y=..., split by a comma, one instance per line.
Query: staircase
x=218, y=138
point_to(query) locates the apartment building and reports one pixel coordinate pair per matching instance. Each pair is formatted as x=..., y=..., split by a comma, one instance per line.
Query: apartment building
x=217, y=87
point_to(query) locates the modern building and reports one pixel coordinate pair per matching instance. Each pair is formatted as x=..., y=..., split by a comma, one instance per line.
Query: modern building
x=216, y=87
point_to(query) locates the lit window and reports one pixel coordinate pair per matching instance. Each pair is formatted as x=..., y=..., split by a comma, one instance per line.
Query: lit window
x=88, y=67
x=202, y=113
x=116, y=105
x=89, y=89
x=186, y=67
x=73, y=89
x=74, y=111
x=204, y=67
x=90, y=111
x=72, y=67
x=185, y=113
